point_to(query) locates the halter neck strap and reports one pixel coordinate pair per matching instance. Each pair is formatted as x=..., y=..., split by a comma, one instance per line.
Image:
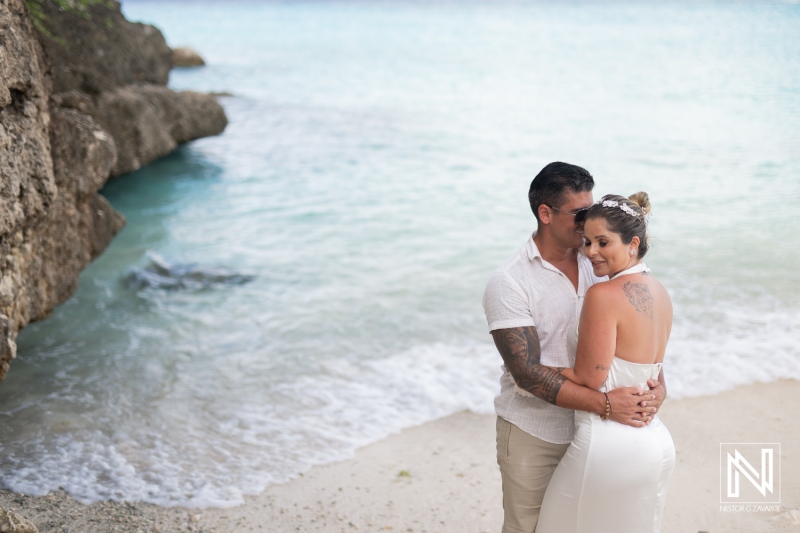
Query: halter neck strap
x=635, y=269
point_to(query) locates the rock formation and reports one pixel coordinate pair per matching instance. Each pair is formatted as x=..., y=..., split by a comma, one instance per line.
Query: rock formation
x=186, y=57
x=83, y=97
x=12, y=522
x=116, y=71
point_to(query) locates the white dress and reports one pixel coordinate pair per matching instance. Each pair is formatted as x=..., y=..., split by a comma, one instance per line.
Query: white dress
x=613, y=478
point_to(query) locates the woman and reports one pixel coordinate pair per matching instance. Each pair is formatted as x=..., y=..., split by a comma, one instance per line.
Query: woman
x=613, y=477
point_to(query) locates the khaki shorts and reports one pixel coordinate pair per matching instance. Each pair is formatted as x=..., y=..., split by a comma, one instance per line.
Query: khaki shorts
x=526, y=465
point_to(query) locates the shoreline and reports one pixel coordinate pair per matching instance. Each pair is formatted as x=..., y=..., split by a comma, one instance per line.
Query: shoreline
x=442, y=476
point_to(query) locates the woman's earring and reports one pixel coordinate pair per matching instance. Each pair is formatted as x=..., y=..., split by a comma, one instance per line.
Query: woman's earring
x=632, y=252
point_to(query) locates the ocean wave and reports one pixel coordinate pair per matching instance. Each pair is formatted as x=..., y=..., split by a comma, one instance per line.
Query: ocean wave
x=342, y=406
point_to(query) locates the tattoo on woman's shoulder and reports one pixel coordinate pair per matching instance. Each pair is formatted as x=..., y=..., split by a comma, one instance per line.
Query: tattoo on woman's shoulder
x=639, y=296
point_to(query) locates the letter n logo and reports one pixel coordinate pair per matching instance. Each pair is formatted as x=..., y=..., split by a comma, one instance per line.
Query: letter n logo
x=750, y=472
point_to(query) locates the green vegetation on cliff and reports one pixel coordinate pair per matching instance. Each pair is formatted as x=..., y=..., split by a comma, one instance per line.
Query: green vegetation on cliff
x=78, y=7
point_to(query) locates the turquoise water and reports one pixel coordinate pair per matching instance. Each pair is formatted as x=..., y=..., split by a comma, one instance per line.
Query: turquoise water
x=373, y=174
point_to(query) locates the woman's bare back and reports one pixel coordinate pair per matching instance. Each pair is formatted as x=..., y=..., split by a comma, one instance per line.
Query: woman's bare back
x=643, y=311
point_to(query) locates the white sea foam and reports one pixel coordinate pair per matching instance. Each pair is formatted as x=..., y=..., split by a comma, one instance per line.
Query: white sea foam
x=731, y=348
x=342, y=407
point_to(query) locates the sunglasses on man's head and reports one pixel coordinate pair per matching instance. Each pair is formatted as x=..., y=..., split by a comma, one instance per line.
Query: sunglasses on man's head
x=580, y=214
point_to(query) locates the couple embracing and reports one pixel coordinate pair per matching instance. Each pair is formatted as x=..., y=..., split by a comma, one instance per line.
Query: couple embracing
x=582, y=328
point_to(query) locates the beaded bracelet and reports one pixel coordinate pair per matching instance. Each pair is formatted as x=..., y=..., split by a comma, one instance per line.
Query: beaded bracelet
x=608, y=408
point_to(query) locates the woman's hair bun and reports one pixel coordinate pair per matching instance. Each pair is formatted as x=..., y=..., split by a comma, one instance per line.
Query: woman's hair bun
x=642, y=200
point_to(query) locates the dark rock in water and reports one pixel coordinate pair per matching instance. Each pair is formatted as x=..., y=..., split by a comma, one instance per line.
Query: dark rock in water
x=160, y=274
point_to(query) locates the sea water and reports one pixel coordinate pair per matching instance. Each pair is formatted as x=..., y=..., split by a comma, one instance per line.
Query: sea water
x=310, y=281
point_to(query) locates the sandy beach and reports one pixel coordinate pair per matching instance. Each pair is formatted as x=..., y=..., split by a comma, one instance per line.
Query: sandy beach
x=442, y=477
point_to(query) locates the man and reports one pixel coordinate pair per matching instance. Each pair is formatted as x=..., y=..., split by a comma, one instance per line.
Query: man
x=533, y=304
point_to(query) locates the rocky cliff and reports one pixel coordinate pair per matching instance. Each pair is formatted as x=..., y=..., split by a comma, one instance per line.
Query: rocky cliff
x=83, y=97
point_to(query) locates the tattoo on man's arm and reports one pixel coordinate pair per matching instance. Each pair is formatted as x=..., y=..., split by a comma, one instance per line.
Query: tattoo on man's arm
x=639, y=296
x=521, y=353
x=601, y=367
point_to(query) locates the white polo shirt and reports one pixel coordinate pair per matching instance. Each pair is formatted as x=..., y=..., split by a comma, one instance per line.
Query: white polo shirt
x=526, y=290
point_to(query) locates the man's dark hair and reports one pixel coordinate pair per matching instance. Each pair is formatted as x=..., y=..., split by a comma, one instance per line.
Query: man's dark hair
x=550, y=184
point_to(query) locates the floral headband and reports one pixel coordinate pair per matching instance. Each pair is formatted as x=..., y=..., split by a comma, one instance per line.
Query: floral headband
x=624, y=207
